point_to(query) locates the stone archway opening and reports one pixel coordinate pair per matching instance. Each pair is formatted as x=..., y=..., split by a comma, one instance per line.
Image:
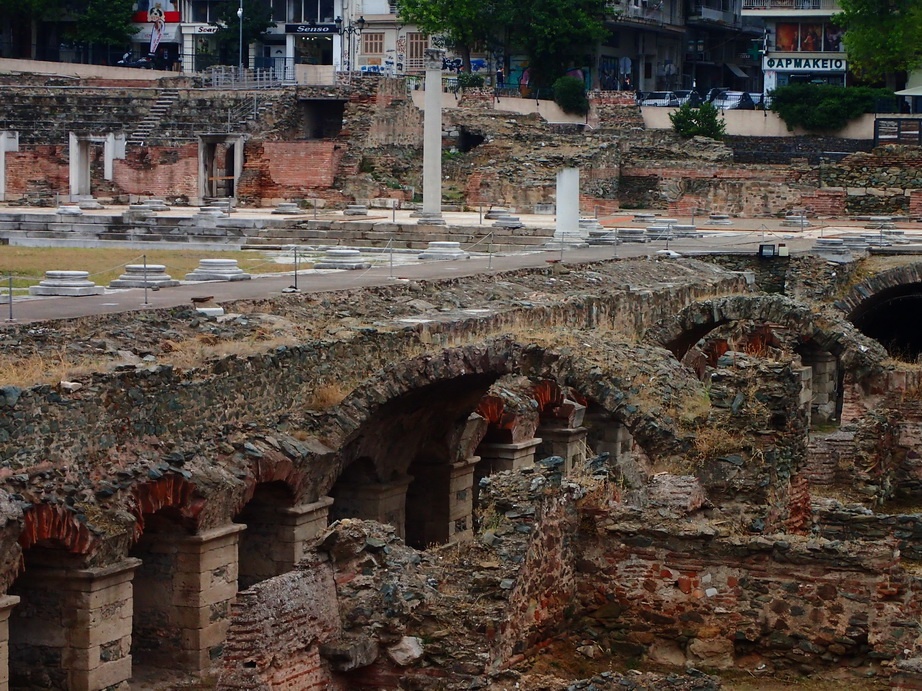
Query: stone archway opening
x=264, y=547
x=889, y=318
x=39, y=637
x=156, y=635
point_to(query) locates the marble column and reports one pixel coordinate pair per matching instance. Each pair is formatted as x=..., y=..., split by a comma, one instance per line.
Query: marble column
x=567, y=230
x=432, y=140
x=9, y=142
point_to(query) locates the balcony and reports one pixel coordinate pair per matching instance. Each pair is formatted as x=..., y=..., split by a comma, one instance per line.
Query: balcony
x=815, y=6
x=701, y=14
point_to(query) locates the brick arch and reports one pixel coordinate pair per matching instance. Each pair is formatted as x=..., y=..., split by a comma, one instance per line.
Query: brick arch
x=169, y=492
x=54, y=523
x=837, y=336
x=869, y=292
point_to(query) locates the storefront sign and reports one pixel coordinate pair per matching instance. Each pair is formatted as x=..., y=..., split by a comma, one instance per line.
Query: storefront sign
x=805, y=64
x=207, y=29
x=311, y=29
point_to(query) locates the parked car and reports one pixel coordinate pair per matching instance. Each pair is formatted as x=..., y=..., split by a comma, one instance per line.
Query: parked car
x=689, y=96
x=733, y=100
x=714, y=92
x=660, y=98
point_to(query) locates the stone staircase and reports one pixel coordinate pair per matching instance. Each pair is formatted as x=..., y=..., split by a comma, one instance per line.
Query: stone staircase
x=158, y=111
x=375, y=233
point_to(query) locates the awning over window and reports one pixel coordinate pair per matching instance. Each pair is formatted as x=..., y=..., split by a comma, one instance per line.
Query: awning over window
x=737, y=70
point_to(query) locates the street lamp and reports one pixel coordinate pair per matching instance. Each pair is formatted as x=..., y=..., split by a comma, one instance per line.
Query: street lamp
x=350, y=31
x=240, y=17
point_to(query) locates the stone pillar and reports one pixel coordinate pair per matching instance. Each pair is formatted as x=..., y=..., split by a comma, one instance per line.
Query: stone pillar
x=9, y=142
x=184, y=589
x=7, y=602
x=461, y=499
x=113, y=148
x=299, y=525
x=432, y=138
x=78, y=167
x=498, y=457
x=567, y=229
x=384, y=502
x=440, y=502
x=567, y=442
x=83, y=618
x=825, y=386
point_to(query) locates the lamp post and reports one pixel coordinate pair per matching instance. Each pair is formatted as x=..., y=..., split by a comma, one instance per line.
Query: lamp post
x=347, y=32
x=240, y=17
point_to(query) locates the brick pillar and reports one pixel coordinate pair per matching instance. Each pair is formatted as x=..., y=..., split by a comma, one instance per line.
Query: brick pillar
x=183, y=592
x=7, y=602
x=384, y=502
x=79, y=617
x=567, y=442
x=915, y=203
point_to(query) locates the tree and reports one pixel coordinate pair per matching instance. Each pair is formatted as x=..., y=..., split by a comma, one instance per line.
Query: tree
x=105, y=23
x=701, y=121
x=881, y=37
x=257, y=17
x=557, y=34
x=463, y=23
x=20, y=18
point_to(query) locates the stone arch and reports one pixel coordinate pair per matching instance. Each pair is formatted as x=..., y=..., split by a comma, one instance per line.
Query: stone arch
x=883, y=307
x=48, y=646
x=383, y=419
x=679, y=333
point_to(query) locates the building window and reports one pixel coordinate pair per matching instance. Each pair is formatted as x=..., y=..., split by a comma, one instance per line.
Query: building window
x=320, y=11
x=416, y=47
x=373, y=43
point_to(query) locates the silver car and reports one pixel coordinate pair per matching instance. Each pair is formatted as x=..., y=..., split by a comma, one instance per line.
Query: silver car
x=660, y=98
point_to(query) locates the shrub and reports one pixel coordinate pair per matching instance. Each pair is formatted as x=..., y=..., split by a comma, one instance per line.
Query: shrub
x=702, y=121
x=822, y=107
x=469, y=80
x=570, y=95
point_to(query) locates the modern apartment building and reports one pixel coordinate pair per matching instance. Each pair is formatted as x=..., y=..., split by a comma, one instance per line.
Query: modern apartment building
x=802, y=44
x=721, y=46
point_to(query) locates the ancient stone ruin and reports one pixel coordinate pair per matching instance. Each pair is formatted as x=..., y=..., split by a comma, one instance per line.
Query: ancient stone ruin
x=540, y=479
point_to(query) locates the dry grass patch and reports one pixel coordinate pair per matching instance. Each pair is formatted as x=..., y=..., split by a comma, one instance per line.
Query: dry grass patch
x=28, y=264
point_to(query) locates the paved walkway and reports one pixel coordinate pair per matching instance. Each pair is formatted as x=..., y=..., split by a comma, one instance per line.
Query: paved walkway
x=745, y=235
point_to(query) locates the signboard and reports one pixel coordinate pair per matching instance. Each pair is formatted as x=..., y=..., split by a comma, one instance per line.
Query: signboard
x=805, y=64
x=311, y=29
x=149, y=10
x=206, y=29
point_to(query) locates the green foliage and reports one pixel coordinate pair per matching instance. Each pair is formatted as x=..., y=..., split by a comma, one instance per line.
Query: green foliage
x=704, y=121
x=462, y=24
x=105, y=22
x=469, y=80
x=881, y=36
x=821, y=107
x=556, y=34
x=257, y=17
x=570, y=95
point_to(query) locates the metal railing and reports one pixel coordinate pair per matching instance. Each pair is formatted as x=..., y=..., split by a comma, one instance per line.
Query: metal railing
x=231, y=77
x=831, y=5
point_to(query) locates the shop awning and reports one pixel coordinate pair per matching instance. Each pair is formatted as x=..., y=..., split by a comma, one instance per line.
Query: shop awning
x=914, y=91
x=737, y=70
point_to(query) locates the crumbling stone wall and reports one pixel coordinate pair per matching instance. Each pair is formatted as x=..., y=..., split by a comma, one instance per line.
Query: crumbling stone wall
x=877, y=182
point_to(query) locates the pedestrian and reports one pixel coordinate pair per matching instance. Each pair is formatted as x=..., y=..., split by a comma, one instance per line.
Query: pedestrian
x=500, y=78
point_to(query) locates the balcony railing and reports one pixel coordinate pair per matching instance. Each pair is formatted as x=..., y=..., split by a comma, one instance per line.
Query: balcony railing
x=830, y=5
